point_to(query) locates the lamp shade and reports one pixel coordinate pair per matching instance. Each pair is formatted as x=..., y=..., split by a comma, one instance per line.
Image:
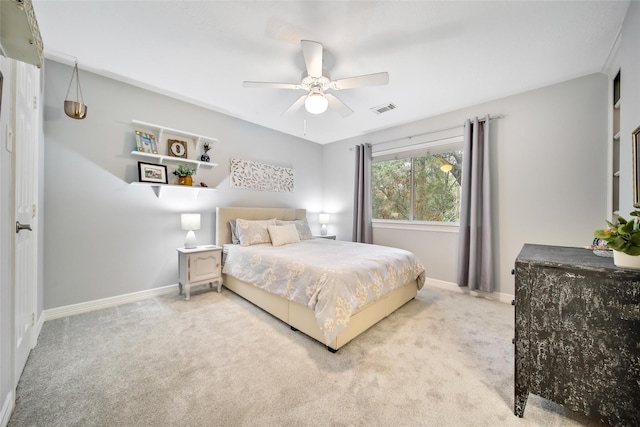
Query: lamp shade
x=324, y=218
x=190, y=222
x=316, y=103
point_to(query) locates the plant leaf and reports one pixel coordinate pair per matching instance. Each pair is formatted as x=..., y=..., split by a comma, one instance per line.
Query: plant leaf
x=616, y=243
x=634, y=239
x=626, y=228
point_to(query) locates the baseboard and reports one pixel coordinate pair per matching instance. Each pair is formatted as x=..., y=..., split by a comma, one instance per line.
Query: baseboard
x=496, y=296
x=36, y=330
x=7, y=409
x=84, y=307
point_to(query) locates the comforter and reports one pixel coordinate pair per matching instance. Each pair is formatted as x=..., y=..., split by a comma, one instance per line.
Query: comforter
x=333, y=278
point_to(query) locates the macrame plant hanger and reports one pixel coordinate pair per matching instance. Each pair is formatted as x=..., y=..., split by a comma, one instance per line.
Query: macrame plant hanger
x=75, y=109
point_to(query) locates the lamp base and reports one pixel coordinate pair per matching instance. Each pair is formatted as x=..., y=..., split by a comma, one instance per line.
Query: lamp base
x=190, y=241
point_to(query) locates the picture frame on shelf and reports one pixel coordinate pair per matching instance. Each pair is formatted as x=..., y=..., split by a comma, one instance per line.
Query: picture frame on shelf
x=177, y=148
x=146, y=143
x=635, y=158
x=150, y=172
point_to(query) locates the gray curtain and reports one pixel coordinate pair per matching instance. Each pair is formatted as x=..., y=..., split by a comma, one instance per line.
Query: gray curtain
x=362, y=228
x=475, y=252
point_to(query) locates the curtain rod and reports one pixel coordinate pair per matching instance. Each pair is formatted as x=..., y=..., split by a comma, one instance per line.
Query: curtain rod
x=499, y=116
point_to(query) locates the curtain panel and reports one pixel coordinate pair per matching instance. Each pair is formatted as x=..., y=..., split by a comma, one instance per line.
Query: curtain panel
x=475, y=251
x=362, y=227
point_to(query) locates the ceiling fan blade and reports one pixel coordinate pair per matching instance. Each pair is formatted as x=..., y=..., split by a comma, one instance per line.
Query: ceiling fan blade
x=312, y=52
x=295, y=106
x=338, y=105
x=375, y=79
x=268, y=85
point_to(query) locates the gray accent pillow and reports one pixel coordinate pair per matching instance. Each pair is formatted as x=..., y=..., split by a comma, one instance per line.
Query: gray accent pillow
x=252, y=232
x=304, y=232
x=234, y=236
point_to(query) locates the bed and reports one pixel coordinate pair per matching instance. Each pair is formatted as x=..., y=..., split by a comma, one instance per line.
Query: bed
x=306, y=309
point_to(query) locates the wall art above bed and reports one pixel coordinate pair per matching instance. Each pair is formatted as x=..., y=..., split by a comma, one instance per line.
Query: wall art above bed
x=251, y=175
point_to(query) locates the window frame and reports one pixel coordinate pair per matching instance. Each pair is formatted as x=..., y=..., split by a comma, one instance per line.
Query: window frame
x=430, y=146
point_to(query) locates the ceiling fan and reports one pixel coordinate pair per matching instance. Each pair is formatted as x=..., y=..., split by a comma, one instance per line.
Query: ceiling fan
x=316, y=100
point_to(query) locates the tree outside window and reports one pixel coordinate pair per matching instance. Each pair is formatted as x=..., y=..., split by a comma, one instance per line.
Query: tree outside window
x=424, y=188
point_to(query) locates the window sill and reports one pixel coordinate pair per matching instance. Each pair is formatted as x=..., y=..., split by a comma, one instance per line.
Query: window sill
x=440, y=227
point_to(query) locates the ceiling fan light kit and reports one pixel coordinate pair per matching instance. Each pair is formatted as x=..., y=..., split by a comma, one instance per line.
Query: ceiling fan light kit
x=317, y=100
x=316, y=103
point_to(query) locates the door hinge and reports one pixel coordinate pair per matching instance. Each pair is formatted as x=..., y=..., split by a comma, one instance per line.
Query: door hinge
x=33, y=319
x=33, y=211
x=35, y=102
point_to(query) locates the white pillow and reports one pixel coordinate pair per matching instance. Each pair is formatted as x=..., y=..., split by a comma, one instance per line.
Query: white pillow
x=283, y=234
x=253, y=232
x=304, y=232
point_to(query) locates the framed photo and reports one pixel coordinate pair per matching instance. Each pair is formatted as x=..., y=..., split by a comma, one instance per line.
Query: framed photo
x=146, y=143
x=148, y=172
x=177, y=148
x=635, y=146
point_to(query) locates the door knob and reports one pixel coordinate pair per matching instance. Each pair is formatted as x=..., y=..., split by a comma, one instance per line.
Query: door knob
x=22, y=227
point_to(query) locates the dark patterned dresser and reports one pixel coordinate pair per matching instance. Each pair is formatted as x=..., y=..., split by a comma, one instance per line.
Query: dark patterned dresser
x=577, y=333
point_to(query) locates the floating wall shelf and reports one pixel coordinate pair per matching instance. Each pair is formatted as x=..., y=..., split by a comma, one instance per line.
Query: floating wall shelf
x=159, y=158
x=158, y=188
x=162, y=129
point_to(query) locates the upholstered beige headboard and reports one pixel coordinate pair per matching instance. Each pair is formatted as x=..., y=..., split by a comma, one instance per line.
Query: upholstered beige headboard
x=223, y=215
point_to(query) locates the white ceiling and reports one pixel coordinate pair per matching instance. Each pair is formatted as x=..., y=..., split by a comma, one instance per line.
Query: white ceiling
x=440, y=55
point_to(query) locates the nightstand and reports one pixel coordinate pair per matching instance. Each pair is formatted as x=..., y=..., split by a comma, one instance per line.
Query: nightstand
x=199, y=266
x=326, y=236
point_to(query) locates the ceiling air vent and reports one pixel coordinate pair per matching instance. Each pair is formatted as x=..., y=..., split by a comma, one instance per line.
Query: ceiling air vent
x=384, y=108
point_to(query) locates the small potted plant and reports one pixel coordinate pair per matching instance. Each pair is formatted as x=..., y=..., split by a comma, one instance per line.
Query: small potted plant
x=184, y=174
x=624, y=238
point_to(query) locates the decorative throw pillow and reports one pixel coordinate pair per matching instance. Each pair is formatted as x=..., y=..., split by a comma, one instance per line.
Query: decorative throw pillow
x=283, y=234
x=253, y=232
x=234, y=235
x=304, y=232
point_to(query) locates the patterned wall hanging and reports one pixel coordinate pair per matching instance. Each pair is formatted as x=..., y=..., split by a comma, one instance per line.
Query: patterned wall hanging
x=260, y=176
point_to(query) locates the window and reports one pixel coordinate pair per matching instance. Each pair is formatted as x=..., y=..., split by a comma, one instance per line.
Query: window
x=418, y=185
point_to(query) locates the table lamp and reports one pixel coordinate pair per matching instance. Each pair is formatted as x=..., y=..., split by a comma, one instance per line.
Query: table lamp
x=190, y=222
x=324, y=220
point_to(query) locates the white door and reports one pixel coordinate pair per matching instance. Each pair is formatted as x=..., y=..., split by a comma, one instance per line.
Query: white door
x=25, y=193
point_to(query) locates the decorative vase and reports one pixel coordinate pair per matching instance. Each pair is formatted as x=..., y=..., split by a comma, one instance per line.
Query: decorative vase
x=185, y=180
x=205, y=157
x=621, y=259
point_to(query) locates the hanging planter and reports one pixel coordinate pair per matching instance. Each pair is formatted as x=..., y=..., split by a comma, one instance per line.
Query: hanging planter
x=75, y=109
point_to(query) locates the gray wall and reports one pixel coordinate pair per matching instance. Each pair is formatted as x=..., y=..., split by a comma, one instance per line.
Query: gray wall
x=549, y=175
x=105, y=237
x=549, y=155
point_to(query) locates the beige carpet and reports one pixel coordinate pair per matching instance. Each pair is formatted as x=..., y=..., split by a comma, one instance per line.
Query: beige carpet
x=444, y=359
